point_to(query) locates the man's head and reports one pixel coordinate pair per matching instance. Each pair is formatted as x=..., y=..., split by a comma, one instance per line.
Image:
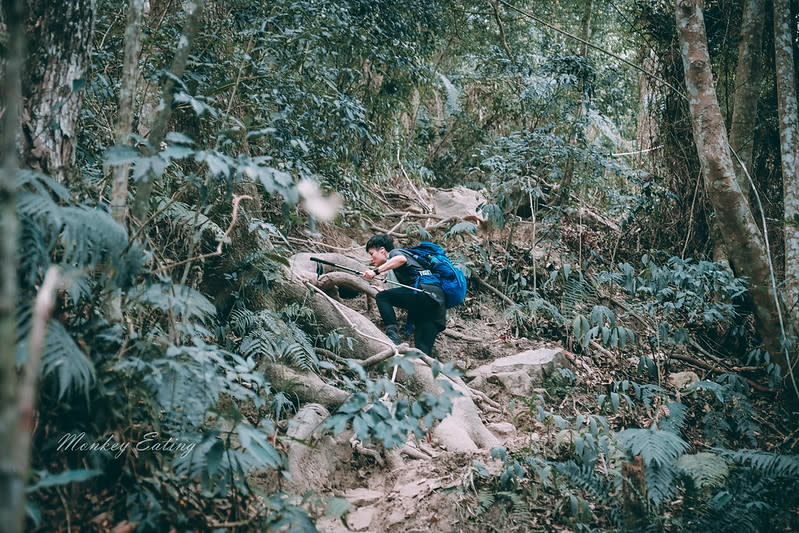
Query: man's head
x=378, y=247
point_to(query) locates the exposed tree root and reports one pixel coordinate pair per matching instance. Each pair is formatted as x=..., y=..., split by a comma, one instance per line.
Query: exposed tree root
x=308, y=386
x=462, y=430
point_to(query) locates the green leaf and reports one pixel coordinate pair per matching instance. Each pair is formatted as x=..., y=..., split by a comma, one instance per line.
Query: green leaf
x=47, y=479
x=259, y=447
x=337, y=507
x=120, y=154
x=214, y=456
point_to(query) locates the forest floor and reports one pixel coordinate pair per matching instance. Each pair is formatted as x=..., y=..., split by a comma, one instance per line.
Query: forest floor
x=454, y=490
x=442, y=493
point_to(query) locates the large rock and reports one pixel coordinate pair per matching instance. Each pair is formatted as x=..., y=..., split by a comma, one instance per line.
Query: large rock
x=519, y=373
x=458, y=202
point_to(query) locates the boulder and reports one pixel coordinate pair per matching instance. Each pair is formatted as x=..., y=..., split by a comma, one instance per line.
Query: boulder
x=458, y=202
x=680, y=380
x=519, y=374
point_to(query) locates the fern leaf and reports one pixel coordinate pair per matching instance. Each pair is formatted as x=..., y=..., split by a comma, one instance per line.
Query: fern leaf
x=770, y=464
x=656, y=447
x=62, y=357
x=706, y=469
x=188, y=220
x=177, y=299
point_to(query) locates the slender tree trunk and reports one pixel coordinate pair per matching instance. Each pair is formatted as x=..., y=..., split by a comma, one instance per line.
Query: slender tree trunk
x=60, y=34
x=12, y=480
x=748, y=74
x=647, y=130
x=743, y=239
x=580, y=110
x=159, y=130
x=127, y=96
x=789, y=146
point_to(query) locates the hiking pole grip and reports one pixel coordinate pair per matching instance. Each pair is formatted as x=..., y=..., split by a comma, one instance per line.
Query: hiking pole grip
x=341, y=267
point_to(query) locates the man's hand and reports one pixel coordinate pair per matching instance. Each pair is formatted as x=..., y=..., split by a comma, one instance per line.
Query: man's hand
x=369, y=274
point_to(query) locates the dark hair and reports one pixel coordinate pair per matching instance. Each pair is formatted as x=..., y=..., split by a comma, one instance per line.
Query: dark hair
x=381, y=240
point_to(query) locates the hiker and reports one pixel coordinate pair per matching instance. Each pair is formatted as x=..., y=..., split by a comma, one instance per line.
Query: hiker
x=426, y=310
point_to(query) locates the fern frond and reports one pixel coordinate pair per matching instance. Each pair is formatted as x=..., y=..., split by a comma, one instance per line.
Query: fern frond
x=299, y=356
x=676, y=419
x=258, y=345
x=41, y=184
x=179, y=300
x=485, y=500
x=767, y=463
x=242, y=320
x=579, y=297
x=188, y=220
x=656, y=447
x=660, y=484
x=62, y=357
x=585, y=477
x=706, y=469
x=89, y=236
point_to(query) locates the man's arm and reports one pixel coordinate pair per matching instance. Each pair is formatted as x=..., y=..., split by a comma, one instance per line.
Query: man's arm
x=392, y=263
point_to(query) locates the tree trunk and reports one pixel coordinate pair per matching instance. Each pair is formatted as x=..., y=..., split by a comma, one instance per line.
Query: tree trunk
x=127, y=96
x=647, y=130
x=11, y=475
x=158, y=133
x=740, y=232
x=748, y=75
x=789, y=146
x=745, y=99
x=60, y=34
x=579, y=111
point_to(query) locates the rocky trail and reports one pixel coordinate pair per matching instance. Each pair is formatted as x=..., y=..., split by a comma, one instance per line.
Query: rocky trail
x=421, y=485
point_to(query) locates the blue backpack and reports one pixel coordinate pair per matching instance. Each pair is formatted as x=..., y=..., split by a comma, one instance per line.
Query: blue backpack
x=440, y=271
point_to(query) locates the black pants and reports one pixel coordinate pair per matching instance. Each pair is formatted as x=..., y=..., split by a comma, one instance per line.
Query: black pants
x=429, y=317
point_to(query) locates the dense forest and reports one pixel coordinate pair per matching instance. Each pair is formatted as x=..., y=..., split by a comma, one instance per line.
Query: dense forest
x=618, y=181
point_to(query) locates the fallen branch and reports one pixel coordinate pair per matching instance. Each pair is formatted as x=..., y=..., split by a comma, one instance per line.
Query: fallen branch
x=385, y=354
x=494, y=290
x=333, y=280
x=715, y=368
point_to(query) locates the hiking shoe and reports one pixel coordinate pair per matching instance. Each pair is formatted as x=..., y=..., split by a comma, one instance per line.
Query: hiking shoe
x=393, y=334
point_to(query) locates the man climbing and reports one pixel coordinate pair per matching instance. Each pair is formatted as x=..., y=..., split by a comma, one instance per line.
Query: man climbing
x=426, y=310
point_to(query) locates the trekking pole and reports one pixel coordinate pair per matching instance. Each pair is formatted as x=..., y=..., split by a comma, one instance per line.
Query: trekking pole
x=360, y=273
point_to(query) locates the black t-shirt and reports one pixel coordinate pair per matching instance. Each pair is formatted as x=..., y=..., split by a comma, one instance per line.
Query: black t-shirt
x=407, y=274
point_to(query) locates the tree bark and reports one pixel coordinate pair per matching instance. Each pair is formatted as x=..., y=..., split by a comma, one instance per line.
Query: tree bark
x=745, y=99
x=740, y=232
x=11, y=476
x=127, y=96
x=789, y=146
x=748, y=74
x=158, y=133
x=60, y=34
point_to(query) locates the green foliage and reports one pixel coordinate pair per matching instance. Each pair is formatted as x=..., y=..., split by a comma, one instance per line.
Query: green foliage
x=171, y=381
x=657, y=447
x=684, y=296
x=378, y=413
x=707, y=470
x=266, y=334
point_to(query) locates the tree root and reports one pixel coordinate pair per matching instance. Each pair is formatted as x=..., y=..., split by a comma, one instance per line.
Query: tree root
x=308, y=386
